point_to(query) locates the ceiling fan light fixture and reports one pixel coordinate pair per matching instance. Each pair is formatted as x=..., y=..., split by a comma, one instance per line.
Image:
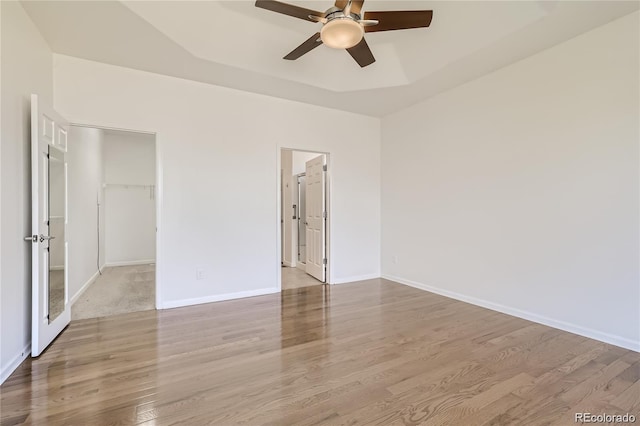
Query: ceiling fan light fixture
x=341, y=33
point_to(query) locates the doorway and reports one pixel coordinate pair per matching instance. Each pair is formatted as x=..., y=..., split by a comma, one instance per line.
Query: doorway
x=304, y=218
x=69, y=176
x=112, y=178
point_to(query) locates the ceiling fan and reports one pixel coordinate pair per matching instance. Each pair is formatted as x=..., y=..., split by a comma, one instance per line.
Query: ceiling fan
x=344, y=25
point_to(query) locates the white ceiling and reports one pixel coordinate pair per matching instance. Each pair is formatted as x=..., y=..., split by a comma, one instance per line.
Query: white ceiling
x=235, y=44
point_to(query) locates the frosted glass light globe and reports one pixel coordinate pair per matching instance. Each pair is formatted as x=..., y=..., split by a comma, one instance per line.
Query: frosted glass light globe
x=341, y=33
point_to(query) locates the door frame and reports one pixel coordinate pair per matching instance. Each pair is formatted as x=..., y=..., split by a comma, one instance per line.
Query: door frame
x=159, y=192
x=328, y=204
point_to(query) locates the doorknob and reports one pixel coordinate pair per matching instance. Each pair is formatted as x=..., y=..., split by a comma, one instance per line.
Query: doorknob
x=34, y=238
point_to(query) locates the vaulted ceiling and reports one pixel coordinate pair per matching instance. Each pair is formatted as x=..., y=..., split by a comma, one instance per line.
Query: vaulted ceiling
x=235, y=44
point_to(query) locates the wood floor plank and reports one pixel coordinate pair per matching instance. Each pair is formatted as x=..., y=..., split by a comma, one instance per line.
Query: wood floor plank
x=374, y=352
x=629, y=400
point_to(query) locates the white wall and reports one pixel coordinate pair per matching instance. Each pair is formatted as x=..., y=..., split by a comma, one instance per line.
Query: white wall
x=519, y=191
x=216, y=198
x=86, y=174
x=129, y=158
x=129, y=161
x=25, y=69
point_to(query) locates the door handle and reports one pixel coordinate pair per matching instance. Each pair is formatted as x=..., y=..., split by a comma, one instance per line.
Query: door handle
x=42, y=238
x=295, y=211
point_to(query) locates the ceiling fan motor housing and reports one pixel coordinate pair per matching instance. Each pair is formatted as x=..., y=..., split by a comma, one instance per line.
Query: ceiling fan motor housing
x=336, y=13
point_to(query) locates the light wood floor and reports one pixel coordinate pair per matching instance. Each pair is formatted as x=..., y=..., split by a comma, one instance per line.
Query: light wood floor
x=297, y=278
x=373, y=352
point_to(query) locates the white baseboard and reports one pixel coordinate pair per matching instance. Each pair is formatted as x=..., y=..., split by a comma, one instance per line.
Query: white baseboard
x=15, y=363
x=218, y=298
x=85, y=286
x=612, y=339
x=130, y=262
x=287, y=264
x=301, y=266
x=356, y=278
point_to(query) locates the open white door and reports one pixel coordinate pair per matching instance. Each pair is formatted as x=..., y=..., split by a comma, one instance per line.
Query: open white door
x=50, y=297
x=315, y=218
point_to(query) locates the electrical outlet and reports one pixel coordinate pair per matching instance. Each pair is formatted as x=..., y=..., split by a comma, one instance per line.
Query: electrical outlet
x=199, y=274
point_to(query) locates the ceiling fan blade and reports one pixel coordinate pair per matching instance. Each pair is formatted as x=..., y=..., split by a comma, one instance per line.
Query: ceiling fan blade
x=288, y=9
x=306, y=47
x=398, y=20
x=362, y=54
x=356, y=5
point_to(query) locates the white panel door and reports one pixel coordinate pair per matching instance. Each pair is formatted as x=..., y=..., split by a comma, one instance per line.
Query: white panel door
x=315, y=218
x=50, y=297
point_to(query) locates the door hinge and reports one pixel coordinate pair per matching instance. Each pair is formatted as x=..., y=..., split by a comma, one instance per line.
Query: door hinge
x=324, y=261
x=324, y=167
x=324, y=215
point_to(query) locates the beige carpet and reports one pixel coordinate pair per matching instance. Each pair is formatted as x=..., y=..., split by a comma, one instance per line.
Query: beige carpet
x=118, y=290
x=296, y=278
